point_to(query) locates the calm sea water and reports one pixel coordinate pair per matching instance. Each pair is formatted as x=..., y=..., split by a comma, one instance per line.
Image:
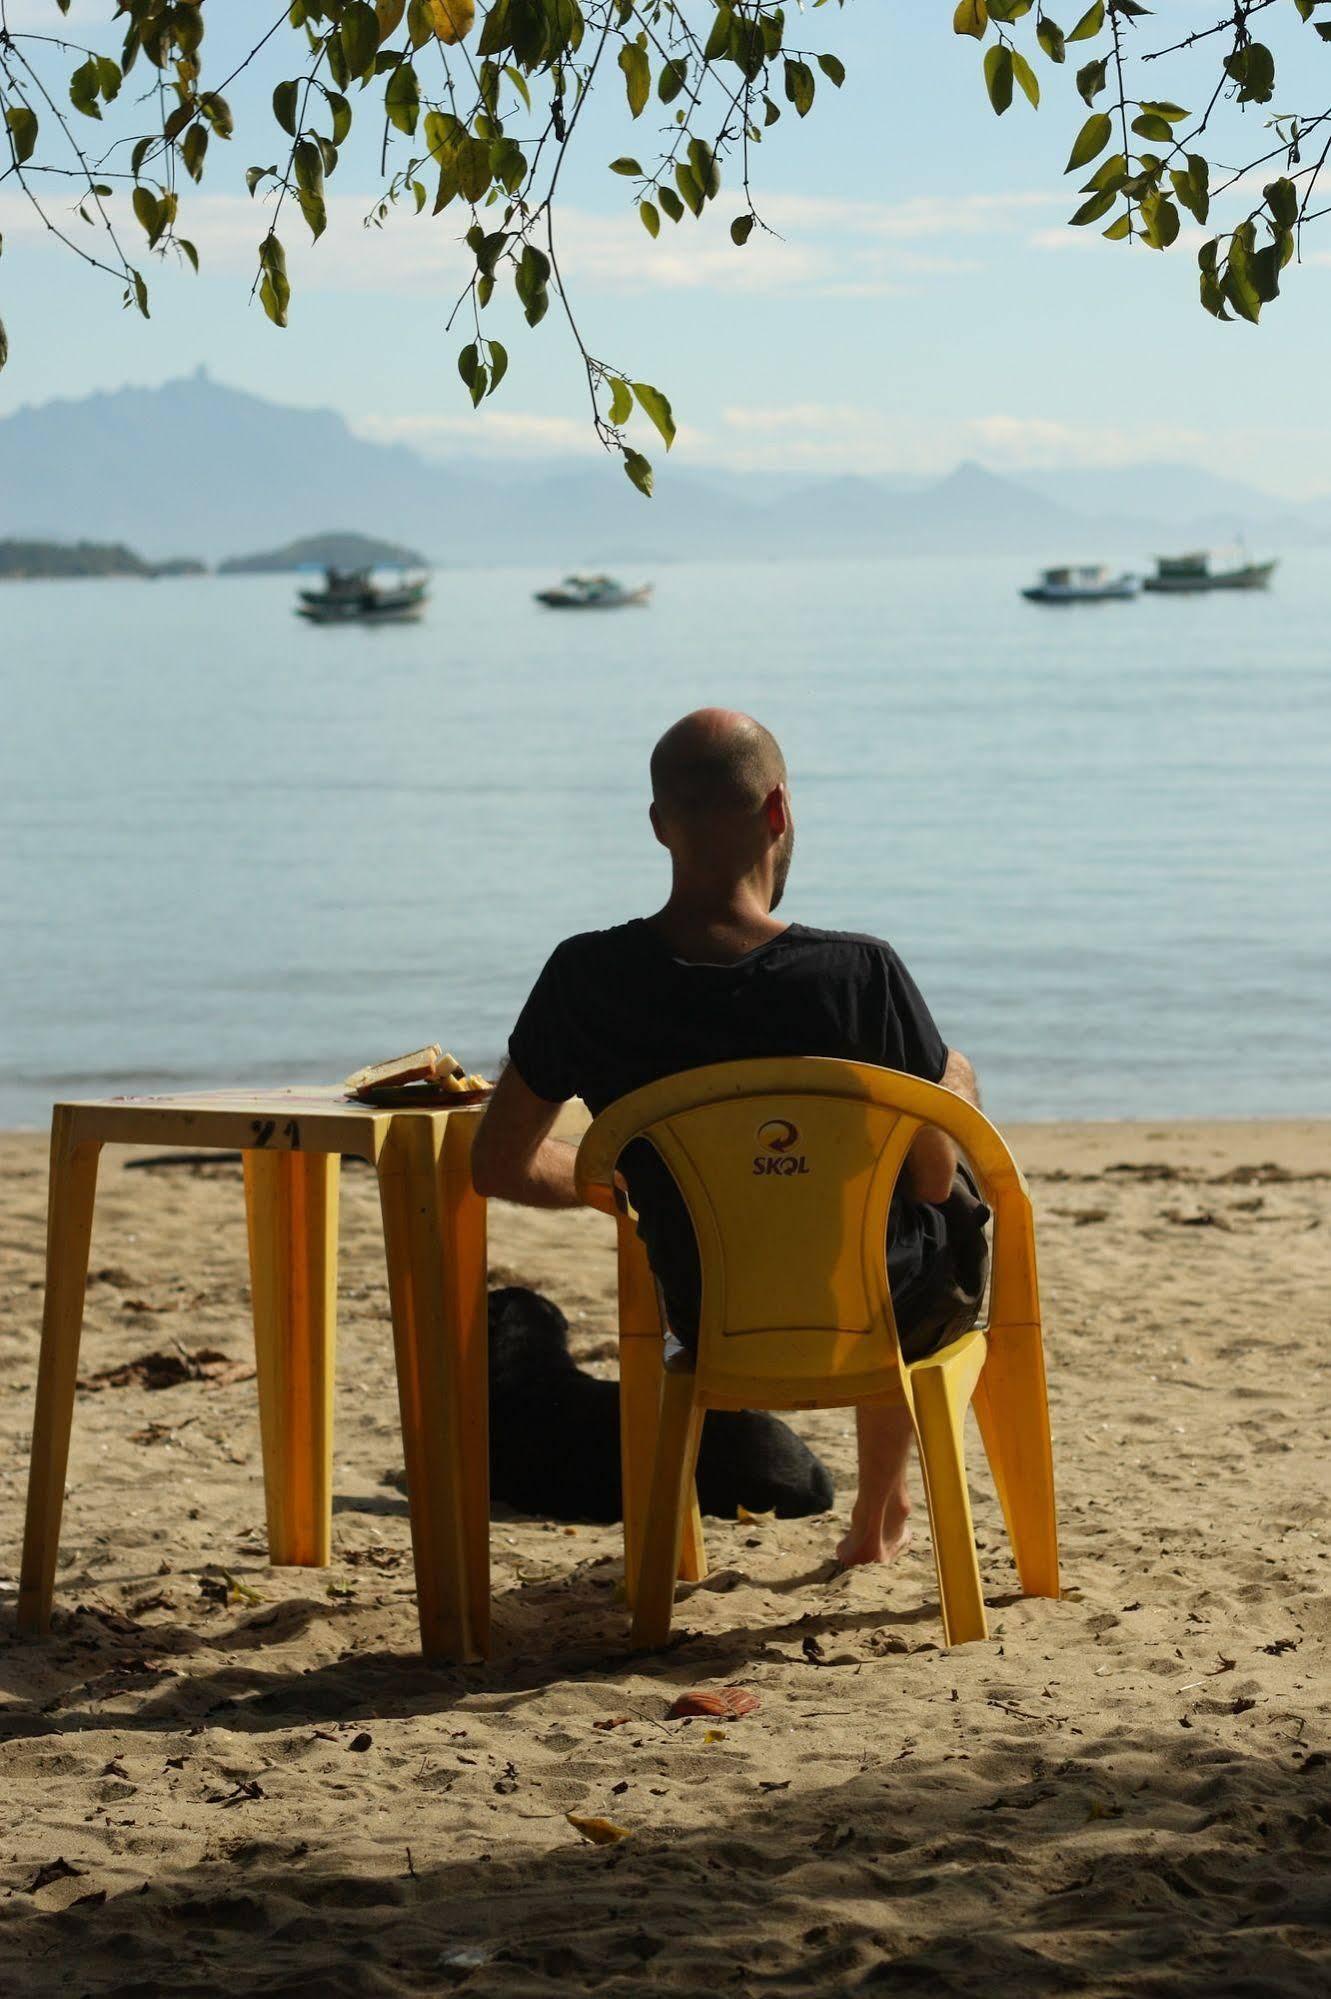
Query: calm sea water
x=233, y=847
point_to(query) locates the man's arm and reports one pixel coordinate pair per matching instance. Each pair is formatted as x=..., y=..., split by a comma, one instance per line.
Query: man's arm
x=514, y=1157
x=932, y=1159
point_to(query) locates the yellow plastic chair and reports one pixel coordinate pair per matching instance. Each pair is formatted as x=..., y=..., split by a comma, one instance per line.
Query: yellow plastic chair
x=787, y=1169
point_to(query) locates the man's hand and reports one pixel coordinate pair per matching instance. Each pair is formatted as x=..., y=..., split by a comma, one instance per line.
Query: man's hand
x=514, y=1157
x=932, y=1159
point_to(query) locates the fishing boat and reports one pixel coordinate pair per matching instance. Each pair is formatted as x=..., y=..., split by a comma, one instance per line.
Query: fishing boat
x=1200, y=570
x=592, y=593
x=351, y=596
x=1081, y=583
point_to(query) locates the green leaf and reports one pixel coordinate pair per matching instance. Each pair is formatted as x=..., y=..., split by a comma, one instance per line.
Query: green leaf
x=1026, y=77
x=308, y=163
x=1282, y=199
x=1192, y=186
x=1090, y=23
x=108, y=75
x=686, y=182
x=469, y=361
x=657, y=407
x=1110, y=173
x=674, y=75
x=998, y=76
x=359, y=31
x=639, y=471
x=625, y=166
x=531, y=280
x=274, y=291
x=718, y=41
x=833, y=69
x=218, y=113
x=1091, y=211
x=741, y=229
x=1160, y=223
x=341, y=112
x=621, y=402
x=705, y=170
x=285, y=98
x=799, y=85
x=192, y=149
x=147, y=212
x=1091, y=79
x=651, y=220
x=1093, y=137
x=498, y=364
x=183, y=244
x=1051, y=38
x=637, y=75
x=140, y=292
x=84, y=85
x=1148, y=126
x=1254, y=70
x=671, y=203
x=971, y=18
x=22, y=125
x=402, y=98
x=1120, y=227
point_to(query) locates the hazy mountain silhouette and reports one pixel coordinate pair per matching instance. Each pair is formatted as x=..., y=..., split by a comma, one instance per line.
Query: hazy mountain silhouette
x=197, y=468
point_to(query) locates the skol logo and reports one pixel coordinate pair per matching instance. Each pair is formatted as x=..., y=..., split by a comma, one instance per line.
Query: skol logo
x=778, y=1138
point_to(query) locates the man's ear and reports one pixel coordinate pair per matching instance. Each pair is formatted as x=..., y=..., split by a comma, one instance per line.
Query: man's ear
x=657, y=827
x=776, y=811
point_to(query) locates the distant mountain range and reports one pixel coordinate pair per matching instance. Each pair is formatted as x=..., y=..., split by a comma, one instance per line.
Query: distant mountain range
x=199, y=466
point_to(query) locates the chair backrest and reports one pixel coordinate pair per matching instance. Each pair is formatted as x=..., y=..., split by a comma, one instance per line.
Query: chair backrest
x=787, y=1168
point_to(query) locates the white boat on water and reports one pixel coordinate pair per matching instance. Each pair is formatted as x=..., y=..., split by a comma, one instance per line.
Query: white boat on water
x=592, y=593
x=1081, y=583
x=1201, y=570
x=351, y=596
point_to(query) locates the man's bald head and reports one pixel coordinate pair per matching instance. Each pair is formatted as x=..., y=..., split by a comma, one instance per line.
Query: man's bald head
x=715, y=763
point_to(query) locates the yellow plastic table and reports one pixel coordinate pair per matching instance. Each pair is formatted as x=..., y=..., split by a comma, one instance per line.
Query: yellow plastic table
x=434, y=1237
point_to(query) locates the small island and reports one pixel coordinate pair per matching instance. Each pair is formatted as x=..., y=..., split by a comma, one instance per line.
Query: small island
x=24, y=561
x=341, y=551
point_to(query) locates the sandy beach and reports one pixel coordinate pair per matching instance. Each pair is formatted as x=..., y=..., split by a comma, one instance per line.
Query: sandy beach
x=221, y=1777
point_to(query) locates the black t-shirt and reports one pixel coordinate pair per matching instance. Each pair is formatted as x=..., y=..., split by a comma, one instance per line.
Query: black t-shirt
x=613, y=1010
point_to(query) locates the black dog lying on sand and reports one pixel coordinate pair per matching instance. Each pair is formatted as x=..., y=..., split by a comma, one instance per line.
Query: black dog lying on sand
x=554, y=1433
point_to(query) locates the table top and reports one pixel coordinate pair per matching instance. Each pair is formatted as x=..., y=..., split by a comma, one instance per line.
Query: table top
x=311, y=1117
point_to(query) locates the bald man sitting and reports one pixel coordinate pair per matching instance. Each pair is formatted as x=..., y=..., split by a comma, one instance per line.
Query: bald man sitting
x=715, y=976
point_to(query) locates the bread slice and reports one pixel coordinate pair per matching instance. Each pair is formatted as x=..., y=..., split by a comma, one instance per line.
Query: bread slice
x=421, y=1063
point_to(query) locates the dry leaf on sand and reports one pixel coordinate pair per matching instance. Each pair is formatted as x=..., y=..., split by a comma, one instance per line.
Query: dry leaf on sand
x=729, y=1702
x=601, y=1832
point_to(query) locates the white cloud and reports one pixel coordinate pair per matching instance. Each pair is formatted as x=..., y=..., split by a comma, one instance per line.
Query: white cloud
x=504, y=433
x=1014, y=442
x=814, y=246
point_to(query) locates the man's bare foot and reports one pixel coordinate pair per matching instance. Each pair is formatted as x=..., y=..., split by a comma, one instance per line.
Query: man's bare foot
x=881, y=1540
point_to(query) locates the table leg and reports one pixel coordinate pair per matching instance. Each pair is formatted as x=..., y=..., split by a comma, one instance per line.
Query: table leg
x=291, y=1209
x=71, y=1194
x=434, y=1235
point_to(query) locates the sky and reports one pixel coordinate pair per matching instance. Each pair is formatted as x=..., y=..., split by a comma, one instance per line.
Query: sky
x=922, y=300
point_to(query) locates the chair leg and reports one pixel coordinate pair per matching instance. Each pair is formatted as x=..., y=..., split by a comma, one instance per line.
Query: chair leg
x=640, y=1376
x=1012, y=1409
x=672, y=1478
x=434, y=1235
x=941, y=1395
x=291, y=1211
x=70, y=1198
